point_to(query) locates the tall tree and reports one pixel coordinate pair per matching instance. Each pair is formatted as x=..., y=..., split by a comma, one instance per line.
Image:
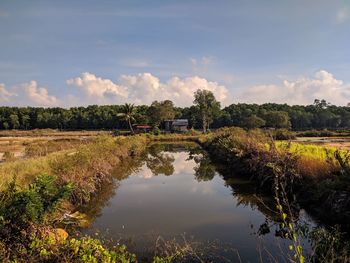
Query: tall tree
x=127, y=114
x=208, y=107
x=160, y=111
x=14, y=121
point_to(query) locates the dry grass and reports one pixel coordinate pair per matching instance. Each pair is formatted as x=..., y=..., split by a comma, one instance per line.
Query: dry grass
x=342, y=143
x=86, y=166
x=49, y=133
x=23, y=144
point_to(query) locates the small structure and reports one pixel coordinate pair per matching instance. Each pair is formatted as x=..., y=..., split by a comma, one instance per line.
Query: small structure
x=177, y=125
x=142, y=128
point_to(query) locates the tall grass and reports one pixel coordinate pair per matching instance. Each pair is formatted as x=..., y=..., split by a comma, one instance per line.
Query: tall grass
x=86, y=166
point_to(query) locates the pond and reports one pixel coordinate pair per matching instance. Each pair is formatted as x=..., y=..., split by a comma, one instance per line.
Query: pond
x=175, y=195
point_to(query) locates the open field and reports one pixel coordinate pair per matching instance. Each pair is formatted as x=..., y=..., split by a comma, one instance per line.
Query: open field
x=337, y=142
x=50, y=133
x=17, y=144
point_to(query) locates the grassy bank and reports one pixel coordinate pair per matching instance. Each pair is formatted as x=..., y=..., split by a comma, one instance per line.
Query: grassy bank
x=86, y=166
x=34, y=192
x=317, y=175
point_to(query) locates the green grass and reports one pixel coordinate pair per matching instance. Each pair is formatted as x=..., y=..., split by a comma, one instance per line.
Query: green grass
x=310, y=150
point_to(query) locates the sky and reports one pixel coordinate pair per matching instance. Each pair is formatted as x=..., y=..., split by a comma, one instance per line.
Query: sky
x=76, y=53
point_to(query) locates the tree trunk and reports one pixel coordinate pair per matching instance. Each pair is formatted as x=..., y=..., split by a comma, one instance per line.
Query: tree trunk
x=204, y=124
x=130, y=126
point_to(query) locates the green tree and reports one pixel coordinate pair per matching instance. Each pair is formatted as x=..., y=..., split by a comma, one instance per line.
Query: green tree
x=6, y=125
x=208, y=107
x=25, y=121
x=14, y=120
x=253, y=122
x=127, y=114
x=277, y=119
x=160, y=111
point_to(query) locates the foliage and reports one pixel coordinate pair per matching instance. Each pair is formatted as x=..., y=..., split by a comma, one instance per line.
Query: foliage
x=208, y=107
x=321, y=115
x=329, y=245
x=253, y=122
x=160, y=111
x=277, y=119
x=255, y=152
x=283, y=134
x=127, y=114
x=85, y=250
x=19, y=208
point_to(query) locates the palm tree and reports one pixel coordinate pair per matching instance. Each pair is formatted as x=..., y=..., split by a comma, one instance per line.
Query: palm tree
x=127, y=114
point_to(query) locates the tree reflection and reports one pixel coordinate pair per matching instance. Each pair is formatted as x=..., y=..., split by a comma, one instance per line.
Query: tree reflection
x=204, y=170
x=160, y=162
x=93, y=208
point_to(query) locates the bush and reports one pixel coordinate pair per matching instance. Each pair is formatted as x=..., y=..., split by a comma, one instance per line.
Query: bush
x=19, y=208
x=283, y=134
x=85, y=250
x=156, y=131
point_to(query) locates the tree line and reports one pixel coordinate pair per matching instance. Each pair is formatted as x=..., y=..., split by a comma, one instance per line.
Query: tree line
x=206, y=113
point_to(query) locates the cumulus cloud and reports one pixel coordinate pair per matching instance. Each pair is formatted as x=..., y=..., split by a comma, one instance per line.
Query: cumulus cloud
x=97, y=87
x=39, y=95
x=144, y=88
x=323, y=85
x=5, y=95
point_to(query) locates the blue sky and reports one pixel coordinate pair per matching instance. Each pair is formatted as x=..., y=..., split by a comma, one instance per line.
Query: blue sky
x=70, y=53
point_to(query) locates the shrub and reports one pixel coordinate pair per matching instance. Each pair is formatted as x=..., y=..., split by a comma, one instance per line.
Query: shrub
x=283, y=134
x=19, y=208
x=85, y=250
x=156, y=130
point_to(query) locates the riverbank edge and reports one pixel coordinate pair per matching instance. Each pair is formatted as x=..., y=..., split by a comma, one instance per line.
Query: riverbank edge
x=328, y=205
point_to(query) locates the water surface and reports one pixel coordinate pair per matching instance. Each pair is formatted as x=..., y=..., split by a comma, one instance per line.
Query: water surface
x=175, y=191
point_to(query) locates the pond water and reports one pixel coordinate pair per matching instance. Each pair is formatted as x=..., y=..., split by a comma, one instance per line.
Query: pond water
x=175, y=192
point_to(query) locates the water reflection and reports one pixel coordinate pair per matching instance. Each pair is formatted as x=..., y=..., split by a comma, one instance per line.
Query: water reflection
x=175, y=189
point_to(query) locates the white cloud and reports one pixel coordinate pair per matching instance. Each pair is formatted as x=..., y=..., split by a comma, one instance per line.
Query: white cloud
x=39, y=95
x=98, y=88
x=342, y=15
x=144, y=88
x=300, y=91
x=5, y=95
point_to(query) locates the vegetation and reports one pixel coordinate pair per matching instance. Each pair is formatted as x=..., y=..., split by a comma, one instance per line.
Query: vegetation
x=127, y=114
x=321, y=115
x=208, y=107
x=57, y=173
x=87, y=166
x=30, y=203
x=27, y=233
x=314, y=174
x=160, y=111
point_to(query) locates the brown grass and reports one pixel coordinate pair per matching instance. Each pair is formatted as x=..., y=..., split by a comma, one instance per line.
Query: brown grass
x=49, y=133
x=86, y=166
